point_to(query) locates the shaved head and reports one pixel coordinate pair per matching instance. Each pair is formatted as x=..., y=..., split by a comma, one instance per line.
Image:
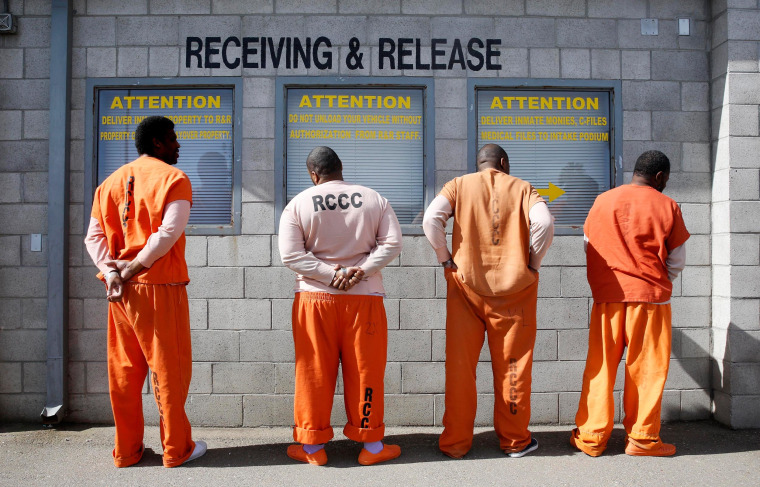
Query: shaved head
x=323, y=161
x=494, y=157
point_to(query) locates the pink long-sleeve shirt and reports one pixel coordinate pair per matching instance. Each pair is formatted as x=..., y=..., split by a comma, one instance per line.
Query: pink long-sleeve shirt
x=338, y=223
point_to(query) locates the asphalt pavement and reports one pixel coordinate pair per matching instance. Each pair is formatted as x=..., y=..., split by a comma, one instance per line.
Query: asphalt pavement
x=78, y=454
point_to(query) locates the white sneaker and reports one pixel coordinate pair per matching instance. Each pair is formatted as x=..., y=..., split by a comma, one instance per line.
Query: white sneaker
x=198, y=451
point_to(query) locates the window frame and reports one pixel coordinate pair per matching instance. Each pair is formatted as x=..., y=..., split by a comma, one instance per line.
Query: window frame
x=614, y=87
x=284, y=83
x=94, y=85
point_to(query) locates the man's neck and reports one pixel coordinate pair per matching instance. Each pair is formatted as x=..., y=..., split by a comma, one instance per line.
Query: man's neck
x=330, y=177
x=638, y=180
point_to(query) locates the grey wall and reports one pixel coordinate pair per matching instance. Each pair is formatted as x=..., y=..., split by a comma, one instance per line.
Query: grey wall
x=241, y=294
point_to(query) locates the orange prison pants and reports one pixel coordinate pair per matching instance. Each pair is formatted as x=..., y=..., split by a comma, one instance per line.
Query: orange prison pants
x=645, y=329
x=150, y=328
x=510, y=322
x=352, y=330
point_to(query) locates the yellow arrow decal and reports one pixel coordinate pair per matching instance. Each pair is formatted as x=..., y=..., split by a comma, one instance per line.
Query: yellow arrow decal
x=553, y=192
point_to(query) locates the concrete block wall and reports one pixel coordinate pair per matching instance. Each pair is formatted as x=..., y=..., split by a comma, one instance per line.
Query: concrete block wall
x=735, y=205
x=240, y=294
x=24, y=96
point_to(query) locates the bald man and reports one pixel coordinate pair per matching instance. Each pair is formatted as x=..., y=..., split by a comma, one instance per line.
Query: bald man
x=502, y=230
x=337, y=236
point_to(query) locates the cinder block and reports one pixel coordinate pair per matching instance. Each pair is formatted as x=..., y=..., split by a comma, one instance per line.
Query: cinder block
x=410, y=409
x=10, y=124
x=546, y=345
x=248, y=7
x=695, y=405
x=35, y=185
x=562, y=313
x=198, y=314
x=629, y=35
x=697, y=281
x=370, y=7
x=449, y=123
x=746, y=281
x=151, y=30
x=266, y=346
x=307, y=7
x=549, y=282
x=744, y=184
x=568, y=406
x=743, y=151
x=97, y=377
x=258, y=218
x=90, y=408
x=10, y=318
x=281, y=313
x=743, y=24
x=195, y=251
x=652, y=95
x=214, y=410
x=572, y=344
x=23, y=281
x=392, y=383
x=240, y=314
x=575, y=63
x=450, y=93
x=267, y=410
x=116, y=7
x=269, y=282
x=423, y=314
x=258, y=186
x=742, y=120
x=409, y=282
x=553, y=377
x=680, y=65
x=526, y=32
x=75, y=314
x=514, y=64
x=440, y=284
x=35, y=374
x=12, y=377
x=563, y=8
x=10, y=246
x=101, y=61
x=695, y=96
x=698, y=250
x=201, y=381
x=133, y=61
x=443, y=177
x=93, y=31
x=691, y=373
x=544, y=408
x=258, y=154
x=573, y=282
x=409, y=345
x=636, y=65
x=691, y=312
x=163, y=61
x=183, y=7
x=423, y=377
x=671, y=406
x=565, y=251
x=586, y=33
x=617, y=9
x=637, y=125
x=215, y=346
x=681, y=126
x=694, y=343
x=605, y=64
x=242, y=250
x=695, y=157
x=76, y=376
x=36, y=63
x=258, y=92
x=544, y=63
x=243, y=378
x=95, y=313
x=285, y=378
x=392, y=313
x=12, y=63
x=216, y=282
x=84, y=345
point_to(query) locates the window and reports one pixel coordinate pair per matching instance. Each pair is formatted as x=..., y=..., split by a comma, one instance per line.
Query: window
x=379, y=132
x=206, y=121
x=560, y=139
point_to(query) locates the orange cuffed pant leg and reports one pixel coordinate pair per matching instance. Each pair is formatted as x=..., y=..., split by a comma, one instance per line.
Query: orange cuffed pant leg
x=152, y=320
x=645, y=329
x=352, y=330
x=510, y=322
x=648, y=332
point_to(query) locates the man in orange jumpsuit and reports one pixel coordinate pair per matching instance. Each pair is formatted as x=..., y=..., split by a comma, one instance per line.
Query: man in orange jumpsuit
x=502, y=230
x=338, y=236
x=136, y=238
x=635, y=247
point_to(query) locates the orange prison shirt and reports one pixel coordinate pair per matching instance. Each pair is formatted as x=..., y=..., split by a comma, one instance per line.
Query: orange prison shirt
x=491, y=240
x=631, y=230
x=129, y=206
